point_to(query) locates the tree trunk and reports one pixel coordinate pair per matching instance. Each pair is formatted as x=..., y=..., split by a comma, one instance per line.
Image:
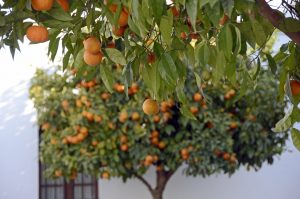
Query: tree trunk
x=162, y=178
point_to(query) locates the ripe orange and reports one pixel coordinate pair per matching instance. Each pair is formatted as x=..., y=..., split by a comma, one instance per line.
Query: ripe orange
x=40, y=5
x=233, y=158
x=167, y=116
x=231, y=92
x=194, y=110
x=78, y=103
x=149, y=159
x=226, y=156
x=135, y=116
x=92, y=59
x=154, y=134
x=118, y=31
x=89, y=116
x=123, y=20
x=105, y=96
x=45, y=126
x=155, y=141
x=111, y=125
x=64, y=4
x=183, y=35
x=150, y=107
x=65, y=141
x=84, y=131
x=151, y=58
x=164, y=106
x=105, y=175
x=156, y=119
x=37, y=34
x=124, y=147
x=185, y=157
x=92, y=45
x=197, y=97
x=233, y=125
x=119, y=88
x=123, y=116
x=53, y=141
x=224, y=20
x=295, y=87
x=58, y=173
x=80, y=137
x=184, y=152
x=94, y=142
x=162, y=145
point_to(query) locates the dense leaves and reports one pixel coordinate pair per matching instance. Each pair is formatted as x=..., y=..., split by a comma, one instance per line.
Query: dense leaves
x=86, y=129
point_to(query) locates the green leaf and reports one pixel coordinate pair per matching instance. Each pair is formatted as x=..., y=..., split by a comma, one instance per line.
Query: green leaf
x=116, y=56
x=167, y=69
x=272, y=63
x=2, y=20
x=157, y=9
x=258, y=66
x=259, y=33
x=59, y=14
x=191, y=7
x=296, y=138
x=66, y=60
x=285, y=123
x=219, y=69
x=289, y=25
x=79, y=59
x=166, y=25
x=225, y=41
x=152, y=78
x=107, y=77
x=57, y=24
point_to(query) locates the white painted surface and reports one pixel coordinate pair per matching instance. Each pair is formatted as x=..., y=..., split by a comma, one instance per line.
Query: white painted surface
x=19, y=152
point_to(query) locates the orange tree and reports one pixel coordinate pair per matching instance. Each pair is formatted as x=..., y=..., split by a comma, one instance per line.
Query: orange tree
x=86, y=129
x=157, y=40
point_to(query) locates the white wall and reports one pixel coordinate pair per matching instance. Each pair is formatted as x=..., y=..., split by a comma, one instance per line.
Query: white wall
x=19, y=152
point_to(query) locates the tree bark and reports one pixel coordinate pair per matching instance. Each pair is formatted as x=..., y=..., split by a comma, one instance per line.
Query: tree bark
x=162, y=178
x=276, y=19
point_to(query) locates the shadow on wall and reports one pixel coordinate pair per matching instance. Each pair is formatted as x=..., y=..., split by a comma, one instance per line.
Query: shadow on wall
x=18, y=143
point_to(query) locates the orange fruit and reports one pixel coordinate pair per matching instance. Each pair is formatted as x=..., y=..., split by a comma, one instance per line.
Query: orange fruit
x=89, y=116
x=84, y=131
x=123, y=20
x=45, y=126
x=197, y=97
x=231, y=92
x=167, y=116
x=185, y=157
x=123, y=139
x=37, y=34
x=154, y=134
x=156, y=119
x=162, y=145
x=184, y=152
x=194, y=109
x=40, y=5
x=105, y=175
x=112, y=7
x=155, y=141
x=123, y=116
x=111, y=125
x=92, y=45
x=94, y=142
x=124, y=147
x=64, y=4
x=150, y=107
x=226, y=156
x=78, y=103
x=118, y=31
x=80, y=137
x=53, y=141
x=149, y=159
x=233, y=125
x=224, y=20
x=164, y=106
x=105, y=96
x=135, y=116
x=151, y=58
x=92, y=59
x=183, y=35
x=65, y=141
x=58, y=173
x=295, y=87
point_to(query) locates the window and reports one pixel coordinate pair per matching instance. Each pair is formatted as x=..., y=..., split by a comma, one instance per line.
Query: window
x=83, y=187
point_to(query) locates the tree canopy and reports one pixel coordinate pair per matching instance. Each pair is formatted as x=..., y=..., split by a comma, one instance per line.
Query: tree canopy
x=87, y=130
x=157, y=40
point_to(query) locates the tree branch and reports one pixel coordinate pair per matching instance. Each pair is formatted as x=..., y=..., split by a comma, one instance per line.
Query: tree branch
x=276, y=19
x=145, y=182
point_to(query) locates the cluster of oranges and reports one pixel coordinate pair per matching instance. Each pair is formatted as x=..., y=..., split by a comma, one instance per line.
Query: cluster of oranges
x=40, y=34
x=92, y=51
x=82, y=133
x=123, y=19
x=231, y=158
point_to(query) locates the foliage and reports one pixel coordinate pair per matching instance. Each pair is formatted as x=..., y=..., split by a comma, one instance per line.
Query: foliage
x=210, y=37
x=226, y=134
